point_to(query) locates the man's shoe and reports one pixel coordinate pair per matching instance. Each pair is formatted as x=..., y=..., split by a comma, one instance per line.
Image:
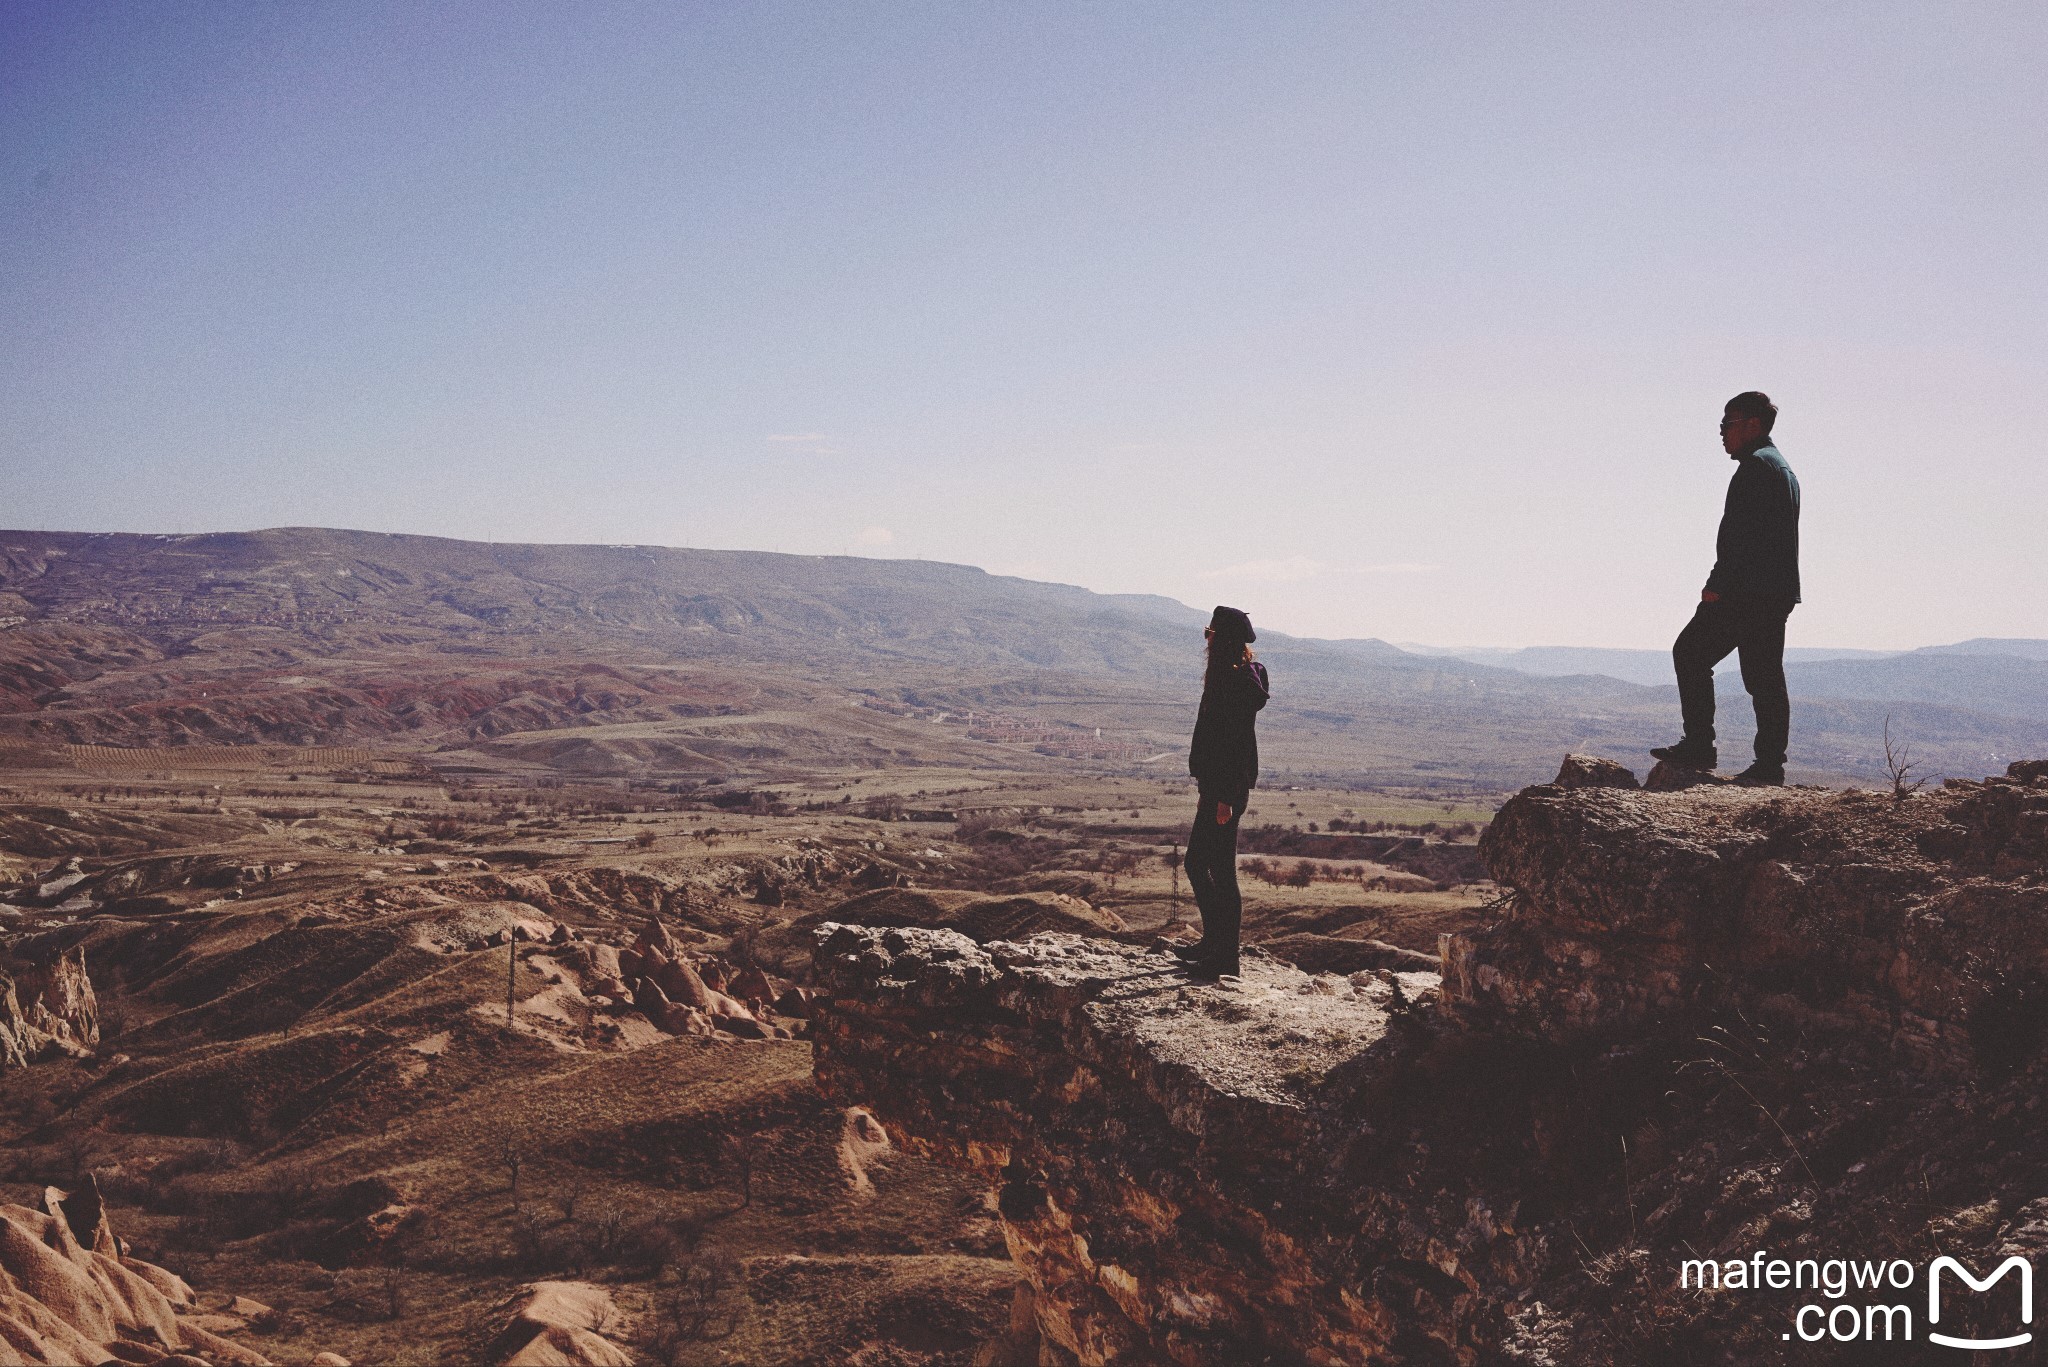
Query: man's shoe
x=1209, y=969
x=1189, y=954
x=1690, y=755
x=1761, y=775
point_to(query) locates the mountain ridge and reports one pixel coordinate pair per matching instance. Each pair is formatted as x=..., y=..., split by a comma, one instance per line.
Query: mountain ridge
x=324, y=636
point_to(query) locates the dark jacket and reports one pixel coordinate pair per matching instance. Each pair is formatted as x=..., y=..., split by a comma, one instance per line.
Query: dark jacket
x=1224, y=757
x=1757, y=551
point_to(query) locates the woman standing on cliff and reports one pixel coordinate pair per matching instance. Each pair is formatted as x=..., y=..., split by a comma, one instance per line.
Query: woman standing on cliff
x=1224, y=759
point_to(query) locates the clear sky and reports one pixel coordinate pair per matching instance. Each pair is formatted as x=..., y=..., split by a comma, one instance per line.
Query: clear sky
x=1409, y=320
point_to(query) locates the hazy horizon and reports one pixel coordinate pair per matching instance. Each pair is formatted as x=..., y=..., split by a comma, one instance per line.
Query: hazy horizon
x=1409, y=323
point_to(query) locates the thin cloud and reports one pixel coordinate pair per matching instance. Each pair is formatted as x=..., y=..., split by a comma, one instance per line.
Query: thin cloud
x=875, y=536
x=798, y=436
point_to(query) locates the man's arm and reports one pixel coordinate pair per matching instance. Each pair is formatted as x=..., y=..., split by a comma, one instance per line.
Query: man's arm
x=1736, y=544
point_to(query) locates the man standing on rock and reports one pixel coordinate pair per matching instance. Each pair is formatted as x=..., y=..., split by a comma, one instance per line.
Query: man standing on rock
x=1749, y=595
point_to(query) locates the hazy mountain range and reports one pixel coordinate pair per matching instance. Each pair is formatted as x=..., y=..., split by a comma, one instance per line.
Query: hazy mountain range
x=1654, y=666
x=658, y=660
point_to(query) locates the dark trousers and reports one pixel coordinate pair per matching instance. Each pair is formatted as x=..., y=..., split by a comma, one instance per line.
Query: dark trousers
x=1212, y=872
x=1758, y=632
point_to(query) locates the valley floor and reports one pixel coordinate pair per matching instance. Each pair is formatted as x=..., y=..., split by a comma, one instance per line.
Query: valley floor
x=306, y=1091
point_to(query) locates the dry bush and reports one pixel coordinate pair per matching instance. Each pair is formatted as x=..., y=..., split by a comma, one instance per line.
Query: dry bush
x=689, y=1307
x=1898, y=767
x=972, y=826
x=114, y=1019
x=538, y=1245
x=570, y=1194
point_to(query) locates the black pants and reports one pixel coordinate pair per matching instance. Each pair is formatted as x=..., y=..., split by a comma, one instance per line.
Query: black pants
x=1212, y=872
x=1757, y=630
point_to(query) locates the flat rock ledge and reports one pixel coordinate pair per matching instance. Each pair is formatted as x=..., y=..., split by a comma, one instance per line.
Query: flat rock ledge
x=1161, y=1149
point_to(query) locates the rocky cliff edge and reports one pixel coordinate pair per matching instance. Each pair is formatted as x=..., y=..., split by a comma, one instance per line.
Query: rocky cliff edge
x=1705, y=1021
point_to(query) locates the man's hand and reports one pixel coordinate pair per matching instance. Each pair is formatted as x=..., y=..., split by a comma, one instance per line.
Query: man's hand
x=1709, y=596
x=1223, y=813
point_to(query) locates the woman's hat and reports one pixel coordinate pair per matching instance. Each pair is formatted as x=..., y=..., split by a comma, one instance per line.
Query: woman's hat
x=1232, y=624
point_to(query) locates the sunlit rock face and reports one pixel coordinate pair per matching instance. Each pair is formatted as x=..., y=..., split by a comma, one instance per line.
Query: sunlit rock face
x=47, y=1009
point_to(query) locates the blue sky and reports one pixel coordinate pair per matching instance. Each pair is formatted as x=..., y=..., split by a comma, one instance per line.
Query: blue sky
x=1397, y=320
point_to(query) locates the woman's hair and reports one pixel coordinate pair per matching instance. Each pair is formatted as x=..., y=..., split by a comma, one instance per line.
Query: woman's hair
x=1225, y=654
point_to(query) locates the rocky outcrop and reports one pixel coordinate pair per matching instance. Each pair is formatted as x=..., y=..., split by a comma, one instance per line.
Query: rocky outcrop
x=1915, y=920
x=1160, y=1154
x=1681, y=1038
x=1591, y=771
x=978, y=916
x=67, y=1299
x=672, y=988
x=560, y=1324
x=48, y=1009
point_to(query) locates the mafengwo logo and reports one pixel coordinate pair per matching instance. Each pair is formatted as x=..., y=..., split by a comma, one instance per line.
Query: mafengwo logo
x=1869, y=1301
x=2012, y=1264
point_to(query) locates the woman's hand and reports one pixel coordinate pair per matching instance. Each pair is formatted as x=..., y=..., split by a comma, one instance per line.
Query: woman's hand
x=1223, y=813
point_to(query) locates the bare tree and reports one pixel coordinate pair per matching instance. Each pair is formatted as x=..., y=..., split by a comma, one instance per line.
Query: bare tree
x=608, y=1227
x=688, y=1308
x=1896, y=764
x=511, y=1158
x=570, y=1194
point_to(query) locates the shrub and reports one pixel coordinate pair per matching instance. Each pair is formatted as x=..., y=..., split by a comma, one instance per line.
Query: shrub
x=689, y=1309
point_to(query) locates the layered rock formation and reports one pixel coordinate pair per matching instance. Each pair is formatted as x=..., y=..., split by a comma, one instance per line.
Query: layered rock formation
x=47, y=1009
x=684, y=993
x=73, y=1297
x=1681, y=1038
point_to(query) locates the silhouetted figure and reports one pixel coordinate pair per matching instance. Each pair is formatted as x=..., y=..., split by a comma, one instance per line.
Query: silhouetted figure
x=1749, y=595
x=1224, y=759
